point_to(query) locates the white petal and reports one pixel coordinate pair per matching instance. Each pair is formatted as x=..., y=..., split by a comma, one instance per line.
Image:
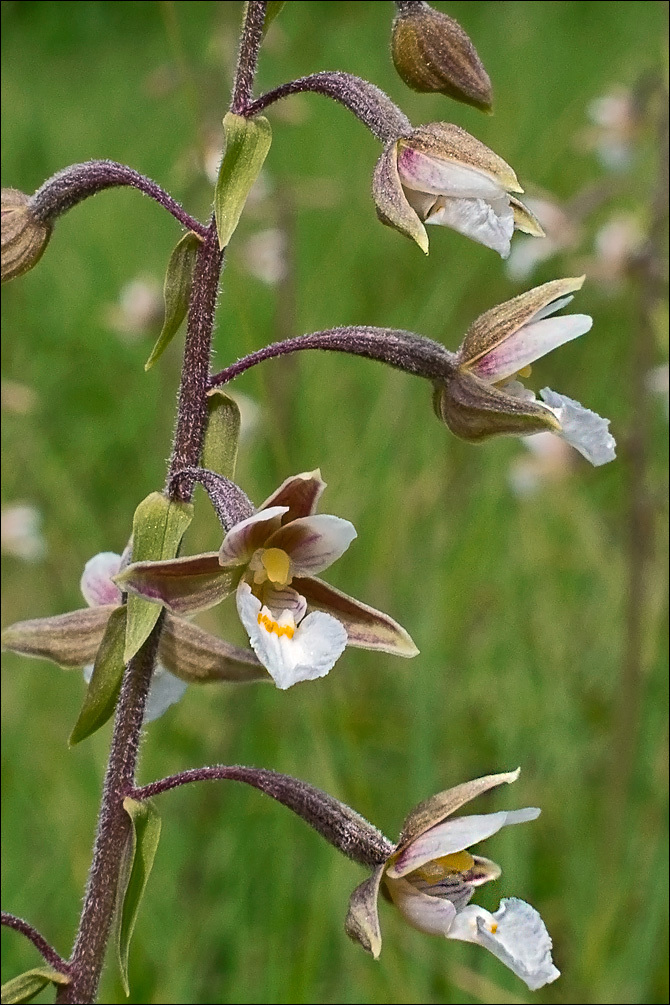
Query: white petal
x=515, y=934
x=317, y=643
x=245, y=537
x=456, y=834
x=96, y=581
x=433, y=915
x=444, y=177
x=166, y=690
x=528, y=344
x=488, y=223
x=313, y=542
x=552, y=308
x=583, y=429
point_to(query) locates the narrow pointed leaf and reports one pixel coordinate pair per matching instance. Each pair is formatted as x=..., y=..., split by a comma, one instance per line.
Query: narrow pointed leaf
x=183, y=585
x=105, y=684
x=139, y=859
x=70, y=640
x=247, y=142
x=219, y=452
x=24, y=987
x=158, y=527
x=176, y=292
x=272, y=9
x=197, y=656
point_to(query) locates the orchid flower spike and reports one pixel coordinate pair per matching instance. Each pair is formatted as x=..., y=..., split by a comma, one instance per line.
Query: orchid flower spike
x=484, y=396
x=431, y=876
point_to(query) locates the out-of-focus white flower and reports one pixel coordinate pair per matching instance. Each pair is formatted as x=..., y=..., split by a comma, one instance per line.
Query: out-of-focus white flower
x=138, y=310
x=657, y=384
x=562, y=233
x=265, y=255
x=21, y=532
x=549, y=460
x=615, y=125
x=616, y=245
x=17, y=398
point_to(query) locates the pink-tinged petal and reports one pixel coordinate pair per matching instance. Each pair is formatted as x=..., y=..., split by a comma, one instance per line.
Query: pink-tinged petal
x=529, y=343
x=490, y=223
x=515, y=934
x=455, y=835
x=248, y=535
x=362, y=921
x=433, y=915
x=301, y=493
x=437, y=808
x=96, y=582
x=183, y=585
x=70, y=640
x=313, y=542
x=311, y=652
x=583, y=429
x=424, y=173
x=366, y=628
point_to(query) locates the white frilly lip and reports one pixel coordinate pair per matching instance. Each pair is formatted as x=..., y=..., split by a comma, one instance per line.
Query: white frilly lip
x=487, y=221
x=515, y=934
x=583, y=429
x=317, y=642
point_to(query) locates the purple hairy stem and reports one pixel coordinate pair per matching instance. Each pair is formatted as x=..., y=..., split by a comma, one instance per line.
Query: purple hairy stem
x=341, y=826
x=114, y=826
x=247, y=58
x=47, y=951
x=393, y=346
x=73, y=184
x=409, y=6
x=370, y=104
x=232, y=505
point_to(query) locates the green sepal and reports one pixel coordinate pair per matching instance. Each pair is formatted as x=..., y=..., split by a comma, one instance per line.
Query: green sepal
x=158, y=527
x=138, y=860
x=105, y=684
x=24, y=987
x=219, y=452
x=272, y=9
x=247, y=142
x=176, y=292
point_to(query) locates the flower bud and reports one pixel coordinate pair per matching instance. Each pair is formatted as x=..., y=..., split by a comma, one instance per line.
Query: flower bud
x=431, y=52
x=24, y=237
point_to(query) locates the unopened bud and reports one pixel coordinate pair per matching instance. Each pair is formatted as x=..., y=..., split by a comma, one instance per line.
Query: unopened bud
x=431, y=52
x=24, y=237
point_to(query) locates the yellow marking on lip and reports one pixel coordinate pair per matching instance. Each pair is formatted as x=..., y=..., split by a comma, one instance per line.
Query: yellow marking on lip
x=525, y=371
x=494, y=927
x=273, y=626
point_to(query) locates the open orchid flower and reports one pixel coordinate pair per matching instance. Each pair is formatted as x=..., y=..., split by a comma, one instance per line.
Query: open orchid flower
x=431, y=876
x=442, y=175
x=484, y=396
x=99, y=590
x=297, y=625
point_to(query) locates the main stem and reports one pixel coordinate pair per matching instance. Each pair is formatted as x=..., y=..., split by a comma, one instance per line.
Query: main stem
x=113, y=830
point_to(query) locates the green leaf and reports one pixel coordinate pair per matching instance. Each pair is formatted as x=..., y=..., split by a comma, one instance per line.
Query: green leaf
x=158, y=527
x=105, y=684
x=176, y=292
x=219, y=452
x=247, y=142
x=24, y=987
x=138, y=860
x=272, y=9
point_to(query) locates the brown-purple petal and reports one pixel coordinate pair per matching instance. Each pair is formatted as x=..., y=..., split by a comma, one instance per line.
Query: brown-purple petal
x=70, y=640
x=362, y=921
x=184, y=585
x=366, y=627
x=197, y=656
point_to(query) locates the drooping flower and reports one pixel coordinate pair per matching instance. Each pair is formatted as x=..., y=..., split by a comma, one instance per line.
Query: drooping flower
x=297, y=624
x=484, y=396
x=431, y=876
x=440, y=174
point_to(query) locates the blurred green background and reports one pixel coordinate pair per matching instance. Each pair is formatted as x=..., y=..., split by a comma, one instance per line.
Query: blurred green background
x=536, y=591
